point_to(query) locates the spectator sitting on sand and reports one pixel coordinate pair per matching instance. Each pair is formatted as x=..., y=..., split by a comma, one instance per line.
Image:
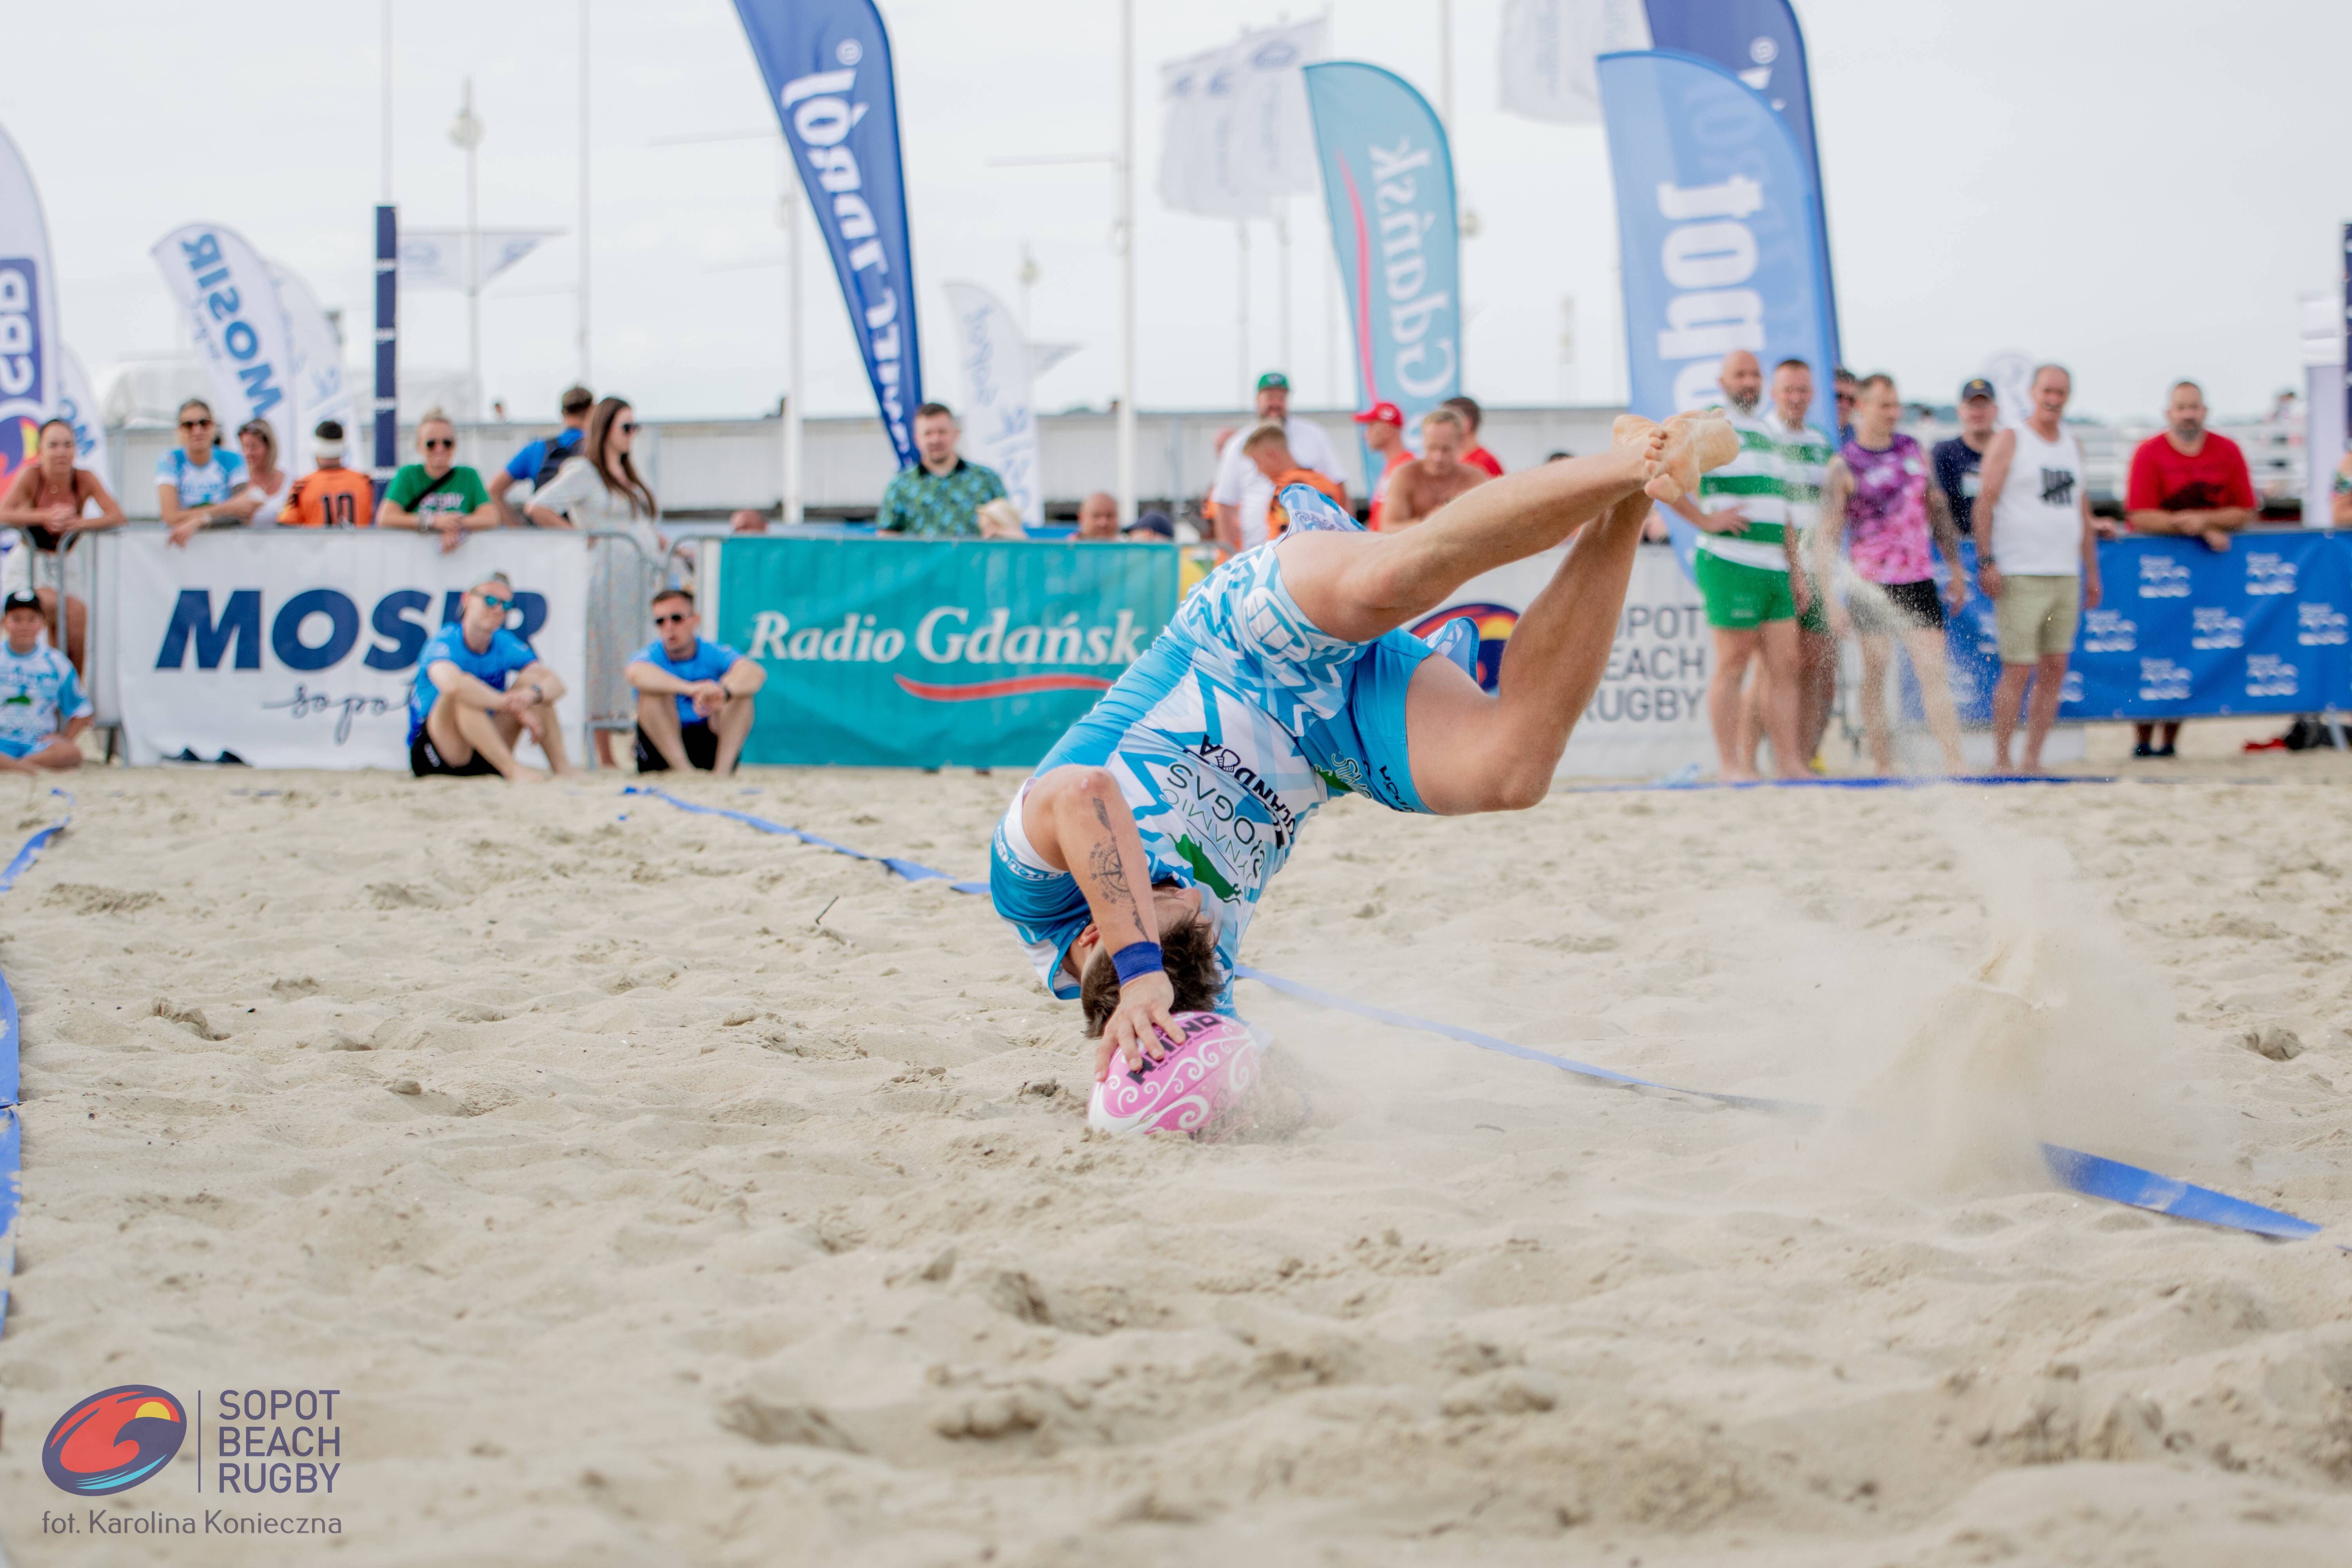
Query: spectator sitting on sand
x=42, y=708
x=694, y=698
x=463, y=718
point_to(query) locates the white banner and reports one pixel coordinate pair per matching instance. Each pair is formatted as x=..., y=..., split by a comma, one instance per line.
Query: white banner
x=1235, y=134
x=297, y=647
x=436, y=257
x=1649, y=717
x=1000, y=427
x=29, y=308
x=1549, y=48
x=322, y=389
x=224, y=287
x=77, y=407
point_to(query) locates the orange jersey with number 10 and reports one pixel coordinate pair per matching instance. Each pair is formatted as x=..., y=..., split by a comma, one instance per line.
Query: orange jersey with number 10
x=331, y=497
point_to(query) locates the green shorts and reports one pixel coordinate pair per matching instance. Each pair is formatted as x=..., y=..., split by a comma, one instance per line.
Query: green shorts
x=1741, y=598
x=2035, y=617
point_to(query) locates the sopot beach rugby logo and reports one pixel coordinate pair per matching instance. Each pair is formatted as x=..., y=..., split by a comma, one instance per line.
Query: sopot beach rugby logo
x=114, y=1440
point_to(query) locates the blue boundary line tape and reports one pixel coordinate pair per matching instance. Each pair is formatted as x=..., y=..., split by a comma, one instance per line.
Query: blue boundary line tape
x=2089, y=1174
x=12, y=1134
x=1867, y=782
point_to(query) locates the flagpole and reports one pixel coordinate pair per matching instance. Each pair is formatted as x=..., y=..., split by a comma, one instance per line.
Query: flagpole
x=1445, y=65
x=1241, y=301
x=386, y=196
x=583, y=301
x=790, y=508
x=1127, y=497
x=1282, y=277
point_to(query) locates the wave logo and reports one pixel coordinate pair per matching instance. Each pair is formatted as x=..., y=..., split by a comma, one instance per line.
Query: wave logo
x=2106, y=631
x=2268, y=675
x=2322, y=625
x=2162, y=577
x=114, y=1440
x=2213, y=626
x=1494, y=623
x=20, y=443
x=2162, y=680
x=2268, y=571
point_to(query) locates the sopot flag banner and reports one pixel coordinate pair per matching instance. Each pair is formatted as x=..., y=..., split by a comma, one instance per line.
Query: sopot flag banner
x=323, y=390
x=30, y=353
x=224, y=287
x=1234, y=134
x=1000, y=427
x=1388, y=180
x=827, y=66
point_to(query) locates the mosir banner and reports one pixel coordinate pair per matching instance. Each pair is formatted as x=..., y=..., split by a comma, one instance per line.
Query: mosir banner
x=297, y=648
x=918, y=653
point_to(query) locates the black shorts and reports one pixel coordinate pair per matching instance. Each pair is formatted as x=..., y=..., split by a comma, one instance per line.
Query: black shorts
x=701, y=748
x=1907, y=605
x=425, y=761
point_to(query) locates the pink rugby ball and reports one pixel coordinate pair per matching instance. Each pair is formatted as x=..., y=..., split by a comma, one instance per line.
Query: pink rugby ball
x=1186, y=1090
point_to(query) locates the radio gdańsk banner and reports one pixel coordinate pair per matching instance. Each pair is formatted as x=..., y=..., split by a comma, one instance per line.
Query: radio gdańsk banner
x=297, y=647
x=323, y=390
x=1000, y=426
x=1387, y=181
x=29, y=348
x=224, y=287
x=827, y=66
x=927, y=653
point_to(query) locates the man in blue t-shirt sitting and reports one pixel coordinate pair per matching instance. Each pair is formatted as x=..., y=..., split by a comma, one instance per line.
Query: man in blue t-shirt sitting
x=463, y=717
x=694, y=698
x=42, y=708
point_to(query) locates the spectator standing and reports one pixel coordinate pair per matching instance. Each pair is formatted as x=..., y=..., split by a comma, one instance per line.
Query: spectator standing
x=197, y=485
x=1959, y=459
x=463, y=718
x=439, y=494
x=1882, y=512
x=1383, y=425
x=1238, y=503
x=330, y=495
x=2191, y=483
x=1844, y=384
x=540, y=461
x=265, y=482
x=1473, y=417
x=2037, y=560
x=1098, y=517
x=42, y=708
x=1419, y=487
x=48, y=500
x=694, y=698
x=1805, y=456
x=941, y=495
x=1268, y=446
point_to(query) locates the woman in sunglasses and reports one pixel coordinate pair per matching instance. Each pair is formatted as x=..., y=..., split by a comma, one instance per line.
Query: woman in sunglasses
x=439, y=494
x=198, y=484
x=50, y=500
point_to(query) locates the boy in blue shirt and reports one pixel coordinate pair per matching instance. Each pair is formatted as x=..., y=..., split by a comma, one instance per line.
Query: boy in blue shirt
x=42, y=707
x=463, y=717
x=694, y=698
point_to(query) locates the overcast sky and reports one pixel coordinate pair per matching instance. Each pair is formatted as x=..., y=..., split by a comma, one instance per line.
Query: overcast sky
x=2143, y=191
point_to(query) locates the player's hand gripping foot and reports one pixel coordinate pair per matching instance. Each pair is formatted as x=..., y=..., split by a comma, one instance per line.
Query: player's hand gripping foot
x=1695, y=443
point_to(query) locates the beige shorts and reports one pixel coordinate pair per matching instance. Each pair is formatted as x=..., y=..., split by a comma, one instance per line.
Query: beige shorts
x=2036, y=616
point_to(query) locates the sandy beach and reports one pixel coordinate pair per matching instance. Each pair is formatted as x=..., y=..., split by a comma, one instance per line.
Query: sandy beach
x=655, y=1191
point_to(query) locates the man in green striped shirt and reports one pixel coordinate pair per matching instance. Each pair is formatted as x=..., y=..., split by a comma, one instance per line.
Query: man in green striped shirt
x=1805, y=455
x=1747, y=553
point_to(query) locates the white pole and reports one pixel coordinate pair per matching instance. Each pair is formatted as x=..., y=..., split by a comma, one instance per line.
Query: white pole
x=473, y=266
x=794, y=492
x=1127, y=497
x=1343, y=390
x=387, y=103
x=1282, y=271
x=1445, y=65
x=1241, y=302
x=581, y=302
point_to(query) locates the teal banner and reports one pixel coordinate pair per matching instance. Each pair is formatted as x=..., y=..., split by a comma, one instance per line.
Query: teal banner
x=910, y=653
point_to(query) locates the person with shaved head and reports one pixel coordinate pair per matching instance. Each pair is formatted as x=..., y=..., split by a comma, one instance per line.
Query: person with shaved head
x=1098, y=518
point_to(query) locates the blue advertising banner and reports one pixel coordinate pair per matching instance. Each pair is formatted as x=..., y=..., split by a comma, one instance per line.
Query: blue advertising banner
x=921, y=653
x=2182, y=631
x=1760, y=42
x=827, y=65
x=1387, y=181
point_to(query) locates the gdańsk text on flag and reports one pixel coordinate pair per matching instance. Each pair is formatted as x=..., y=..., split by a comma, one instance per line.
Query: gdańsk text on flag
x=827, y=66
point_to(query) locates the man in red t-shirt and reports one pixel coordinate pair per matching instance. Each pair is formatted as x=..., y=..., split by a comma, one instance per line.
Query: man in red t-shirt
x=1383, y=425
x=1478, y=456
x=2192, y=484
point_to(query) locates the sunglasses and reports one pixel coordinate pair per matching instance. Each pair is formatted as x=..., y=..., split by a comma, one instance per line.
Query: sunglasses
x=493, y=602
x=440, y=445
x=627, y=427
x=674, y=620
x=196, y=424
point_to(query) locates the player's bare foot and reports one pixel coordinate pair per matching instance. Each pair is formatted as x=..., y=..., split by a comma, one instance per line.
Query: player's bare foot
x=1695, y=443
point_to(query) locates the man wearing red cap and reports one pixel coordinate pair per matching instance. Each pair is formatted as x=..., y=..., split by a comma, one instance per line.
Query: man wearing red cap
x=1383, y=425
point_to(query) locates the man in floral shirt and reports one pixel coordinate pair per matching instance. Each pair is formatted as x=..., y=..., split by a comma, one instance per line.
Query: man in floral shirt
x=937, y=497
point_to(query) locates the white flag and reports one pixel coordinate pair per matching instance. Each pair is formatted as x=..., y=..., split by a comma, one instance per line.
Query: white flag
x=323, y=388
x=79, y=409
x=436, y=257
x=29, y=301
x=1236, y=134
x=1000, y=426
x=1549, y=48
x=223, y=286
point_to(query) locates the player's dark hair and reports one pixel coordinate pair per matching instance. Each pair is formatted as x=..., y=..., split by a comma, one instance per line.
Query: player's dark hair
x=928, y=409
x=673, y=594
x=1188, y=952
x=1792, y=364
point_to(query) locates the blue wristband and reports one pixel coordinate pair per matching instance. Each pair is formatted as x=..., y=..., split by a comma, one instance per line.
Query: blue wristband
x=1136, y=958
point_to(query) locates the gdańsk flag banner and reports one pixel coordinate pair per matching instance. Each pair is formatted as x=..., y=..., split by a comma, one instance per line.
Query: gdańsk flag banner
x=323, y=390
x=1000, y=427
x=29, y=349
x=827, y=66
x=224, y=287
x=1387, y=181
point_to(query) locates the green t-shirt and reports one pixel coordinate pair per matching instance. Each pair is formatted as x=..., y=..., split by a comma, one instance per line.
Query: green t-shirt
x=461, y=492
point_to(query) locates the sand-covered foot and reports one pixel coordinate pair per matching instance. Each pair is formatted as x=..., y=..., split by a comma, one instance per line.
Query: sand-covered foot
x=1695, y=443
x=1632, y=433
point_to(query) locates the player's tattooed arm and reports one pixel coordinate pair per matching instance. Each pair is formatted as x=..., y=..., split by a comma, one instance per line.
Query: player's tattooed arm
x=1078, y=821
